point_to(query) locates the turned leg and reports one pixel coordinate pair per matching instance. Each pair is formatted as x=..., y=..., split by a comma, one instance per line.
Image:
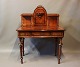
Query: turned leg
x=59, y=50
x=21, y=49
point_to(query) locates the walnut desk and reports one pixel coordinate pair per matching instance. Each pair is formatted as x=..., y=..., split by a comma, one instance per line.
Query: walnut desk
x=40, y=25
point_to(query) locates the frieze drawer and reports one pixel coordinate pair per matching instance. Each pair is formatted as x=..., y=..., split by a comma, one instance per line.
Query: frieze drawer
x=57, y=34
x=24, y=33
x=40, y=33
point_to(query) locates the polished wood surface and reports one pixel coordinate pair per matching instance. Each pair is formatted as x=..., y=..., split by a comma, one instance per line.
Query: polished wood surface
x=40, y=25
x=52, y=20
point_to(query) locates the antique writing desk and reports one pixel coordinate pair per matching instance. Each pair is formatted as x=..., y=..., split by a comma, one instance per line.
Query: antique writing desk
x=40, y=25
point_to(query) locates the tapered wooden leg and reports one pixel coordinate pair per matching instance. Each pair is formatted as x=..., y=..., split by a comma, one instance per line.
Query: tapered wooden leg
x=21, y=49
x=21, y=55
x=59, y=50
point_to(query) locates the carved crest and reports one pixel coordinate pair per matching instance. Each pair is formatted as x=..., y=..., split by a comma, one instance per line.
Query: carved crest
x=40, y=16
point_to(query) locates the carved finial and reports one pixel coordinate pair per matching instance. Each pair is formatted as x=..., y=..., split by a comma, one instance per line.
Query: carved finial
x=39, y=6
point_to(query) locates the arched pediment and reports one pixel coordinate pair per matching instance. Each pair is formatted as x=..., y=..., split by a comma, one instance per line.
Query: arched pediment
x=40, y=16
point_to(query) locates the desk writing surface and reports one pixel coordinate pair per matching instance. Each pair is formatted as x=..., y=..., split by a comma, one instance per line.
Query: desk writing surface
x=36, y=28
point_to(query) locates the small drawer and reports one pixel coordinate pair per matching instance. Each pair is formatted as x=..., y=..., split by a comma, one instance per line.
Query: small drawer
x=35, y=33
x=24, y=33
x=40, y=33
x=21, y=34
x=56, y=34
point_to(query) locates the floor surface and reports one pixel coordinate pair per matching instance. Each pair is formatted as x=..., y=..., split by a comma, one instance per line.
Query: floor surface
x=11, y=59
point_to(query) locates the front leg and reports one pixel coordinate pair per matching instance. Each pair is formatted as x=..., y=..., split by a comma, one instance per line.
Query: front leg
x=21, y=49
x=59, y=50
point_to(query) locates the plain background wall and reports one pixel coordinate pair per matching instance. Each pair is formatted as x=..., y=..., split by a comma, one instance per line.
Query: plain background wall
x=10, y=11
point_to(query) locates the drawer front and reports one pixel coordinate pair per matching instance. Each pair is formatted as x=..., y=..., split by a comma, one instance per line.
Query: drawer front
x=57, y=33
x=41, y=33
x=24, y=33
